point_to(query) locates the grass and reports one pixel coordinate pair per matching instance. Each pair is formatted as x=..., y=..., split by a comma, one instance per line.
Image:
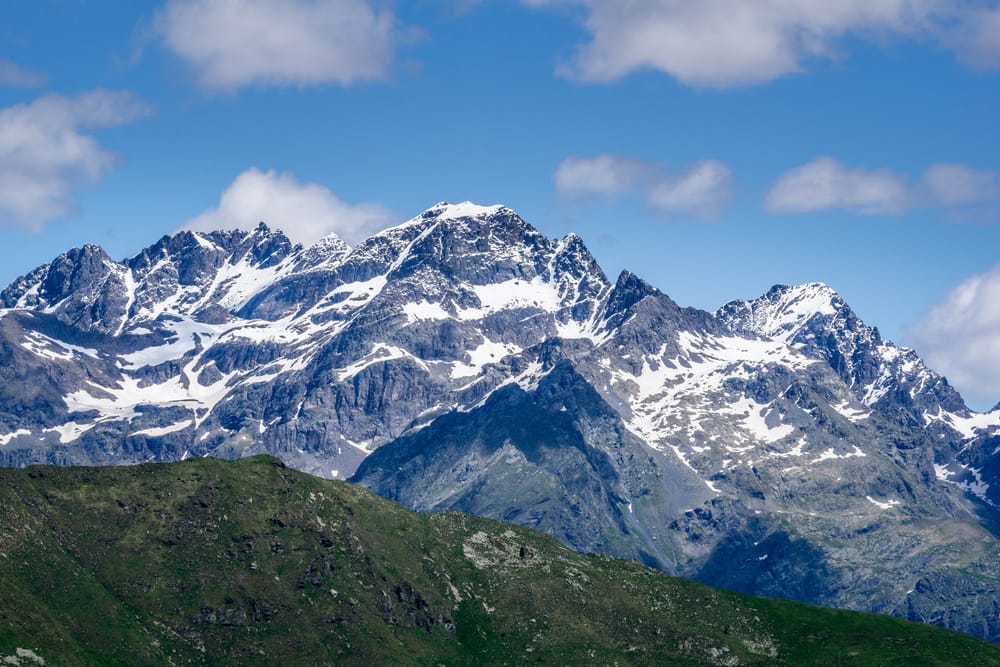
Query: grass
x=248, y=562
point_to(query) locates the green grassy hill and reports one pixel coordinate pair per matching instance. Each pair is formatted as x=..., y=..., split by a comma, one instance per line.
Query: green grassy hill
x=249, y=562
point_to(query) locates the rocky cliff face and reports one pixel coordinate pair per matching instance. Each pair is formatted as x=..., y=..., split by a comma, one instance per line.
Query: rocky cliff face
x=463, y=360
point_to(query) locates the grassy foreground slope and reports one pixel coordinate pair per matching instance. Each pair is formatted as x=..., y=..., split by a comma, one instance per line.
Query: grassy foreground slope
x=249, y=562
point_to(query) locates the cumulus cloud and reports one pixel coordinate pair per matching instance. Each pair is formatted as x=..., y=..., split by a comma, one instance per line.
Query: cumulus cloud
x=12, y=74
x=702, y=189
x=607, y=175
x=960, y=337
x=826, y=183
x=306, y=212
x=950, y=184
x=976, y=38
x=45, y=155
x=723, y=44
x=234, y=43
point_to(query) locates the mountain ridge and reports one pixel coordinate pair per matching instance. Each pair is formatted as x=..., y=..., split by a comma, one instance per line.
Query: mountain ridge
x=684, y=436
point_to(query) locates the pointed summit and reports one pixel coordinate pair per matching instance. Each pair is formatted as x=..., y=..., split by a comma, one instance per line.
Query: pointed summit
x=466, y=209
x=629, y=290
x=326, y=253
x=814, y=319
x=784, y=311
x=79, y=270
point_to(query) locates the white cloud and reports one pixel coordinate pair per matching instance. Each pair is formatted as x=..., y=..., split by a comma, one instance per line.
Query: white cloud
x=235, y=43
x=826, y=183
x=12, y=74
x=960, y=337
x=977, y=38
x=44, y=155
x=950, y=184
x=730, y=43
x=702, y=189
x=607, y=175
x=306, y=212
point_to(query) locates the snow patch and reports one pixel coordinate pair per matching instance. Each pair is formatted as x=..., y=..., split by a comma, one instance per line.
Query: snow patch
x=159, y=431
x=424, y=310
x=488, y=352
x=755, y=420
x=52, y=349
x=797, y=450
x=7, y=437
x=466, y=209
x=976, y=486
x=69, y=431
x=852, y=413
x=513, y=293
x=380, y=354
x=889, y=504
x=831, y=454
x=970, y=426
x=186, y=335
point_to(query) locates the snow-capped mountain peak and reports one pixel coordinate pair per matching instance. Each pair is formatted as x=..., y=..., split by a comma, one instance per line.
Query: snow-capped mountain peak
x=466, y=209
x=815, y=320
x=784, y=310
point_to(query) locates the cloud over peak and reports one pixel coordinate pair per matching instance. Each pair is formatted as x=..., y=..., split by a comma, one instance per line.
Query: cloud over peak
x=306, y=212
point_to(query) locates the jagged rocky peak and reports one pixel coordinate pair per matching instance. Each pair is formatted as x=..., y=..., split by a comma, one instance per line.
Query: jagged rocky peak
x=441, y=256
x=83, y=286
x=817, y=321
x=629, y=290
x=184, y=272
x=476, y=244
x=784, y=310
x=326, y=253
x=650, y=318
x=811, y=317
x=191, y=252
x=456, y=249
x=72, y=271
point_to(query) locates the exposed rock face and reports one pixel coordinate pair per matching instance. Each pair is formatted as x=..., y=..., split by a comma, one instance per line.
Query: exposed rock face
x=463, y=360
x=814, y=319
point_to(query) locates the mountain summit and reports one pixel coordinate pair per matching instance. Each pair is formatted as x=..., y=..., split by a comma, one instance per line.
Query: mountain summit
x=463, y=360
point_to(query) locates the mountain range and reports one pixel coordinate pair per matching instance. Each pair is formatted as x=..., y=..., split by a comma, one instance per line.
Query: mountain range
x=462, y=360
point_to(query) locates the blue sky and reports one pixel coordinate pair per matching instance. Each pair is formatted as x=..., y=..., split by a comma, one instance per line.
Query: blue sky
x=713, y=148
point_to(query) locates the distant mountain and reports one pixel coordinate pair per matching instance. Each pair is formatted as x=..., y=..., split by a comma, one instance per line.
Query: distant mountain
x=891, y=380
x=462, y=360
x=210, y=562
